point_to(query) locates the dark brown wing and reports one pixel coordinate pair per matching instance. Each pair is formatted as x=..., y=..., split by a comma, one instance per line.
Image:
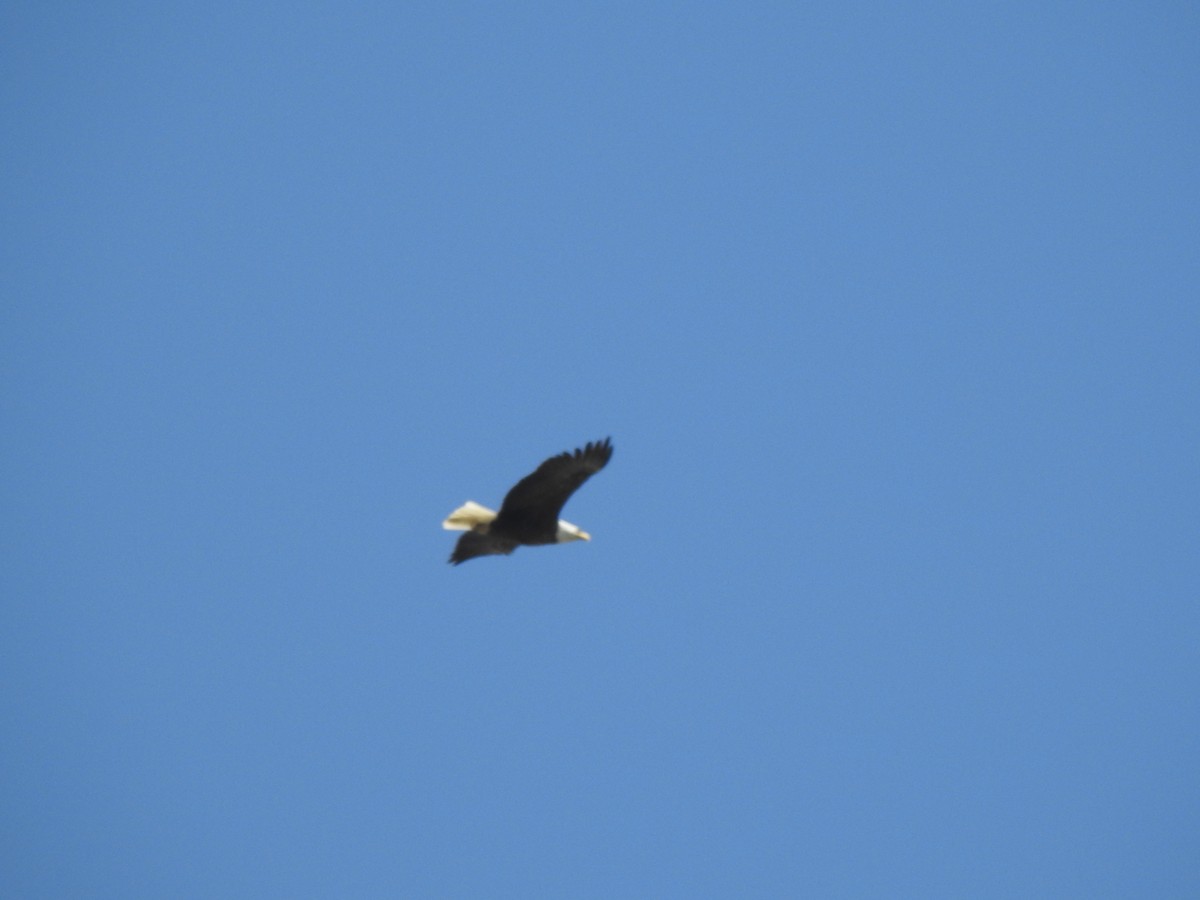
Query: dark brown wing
x=530, y=510
x=472, y=544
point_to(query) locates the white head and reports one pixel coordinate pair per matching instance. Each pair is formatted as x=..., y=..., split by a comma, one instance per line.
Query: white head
x=569, y=532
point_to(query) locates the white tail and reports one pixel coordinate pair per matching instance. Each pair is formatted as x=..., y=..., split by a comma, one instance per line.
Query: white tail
x=467, y=516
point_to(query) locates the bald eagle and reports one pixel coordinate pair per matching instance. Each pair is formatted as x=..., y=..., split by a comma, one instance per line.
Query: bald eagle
x=529, y=513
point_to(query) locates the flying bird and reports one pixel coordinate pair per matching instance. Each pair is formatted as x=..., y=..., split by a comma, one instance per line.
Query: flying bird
x=529, y=514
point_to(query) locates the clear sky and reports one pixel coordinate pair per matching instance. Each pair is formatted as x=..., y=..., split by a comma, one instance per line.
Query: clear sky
x=892, y=312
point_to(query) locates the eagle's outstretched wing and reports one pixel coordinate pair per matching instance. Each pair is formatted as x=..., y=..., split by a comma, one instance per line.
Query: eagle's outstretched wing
x=536, y=500
x=473, y=544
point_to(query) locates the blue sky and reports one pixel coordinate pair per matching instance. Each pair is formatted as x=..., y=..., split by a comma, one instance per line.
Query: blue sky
x=890, y=310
